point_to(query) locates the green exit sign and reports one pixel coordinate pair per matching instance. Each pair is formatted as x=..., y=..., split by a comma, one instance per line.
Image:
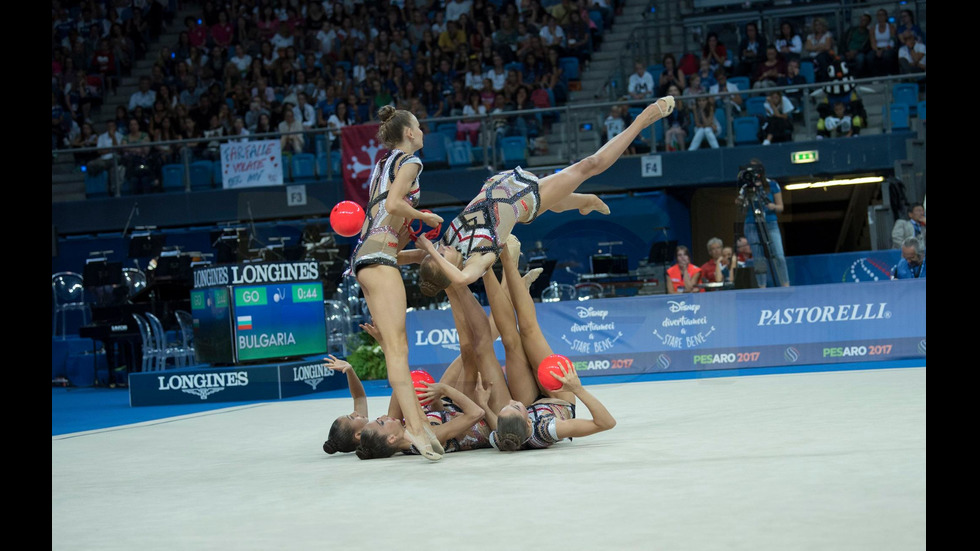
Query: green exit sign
x=800, y=157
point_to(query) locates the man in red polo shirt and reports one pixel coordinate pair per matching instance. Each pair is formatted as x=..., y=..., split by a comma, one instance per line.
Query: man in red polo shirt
x=711, y=271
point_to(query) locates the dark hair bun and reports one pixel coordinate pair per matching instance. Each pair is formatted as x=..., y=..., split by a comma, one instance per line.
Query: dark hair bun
x=386, y=113
x=329, y=448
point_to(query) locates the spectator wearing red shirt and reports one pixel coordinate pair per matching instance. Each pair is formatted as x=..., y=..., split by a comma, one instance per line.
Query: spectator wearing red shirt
x=683, y=276
x=223, y=32
x=197, y=34
x=104, y=62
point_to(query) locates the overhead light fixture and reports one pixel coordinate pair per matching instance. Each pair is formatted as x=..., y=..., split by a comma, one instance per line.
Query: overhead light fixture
x=841, y=182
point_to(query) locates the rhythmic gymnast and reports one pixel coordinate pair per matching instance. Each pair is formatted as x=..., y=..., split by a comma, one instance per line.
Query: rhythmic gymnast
x=533, y=417
x=472, y=242
x=345, y=432
x=394, y=197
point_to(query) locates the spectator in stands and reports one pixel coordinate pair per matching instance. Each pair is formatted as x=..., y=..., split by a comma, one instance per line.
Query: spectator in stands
x=267, y=22
x=793, y=77
x=506, y=38
x=706, y=126
x=912, y=55
x=239, y=132
x=678, y=123
x=857, y=47
x=264, y=126
x=553, y=36
x=456, y=8
x=497, y=74
x=79, y=97
x=819, y=47
x=712, y=271
x=85, y=138
x=723, y=85
x=214, y=131
x=694, y=86
x=715, y=52
x=777, y=126
x=222, y=31
x=670, y=75
x=136, y=160
x=840, y=123
x=265, y=93
x=304, y=111
x=615, y=123
x=122, y=119
x=769, y=71
x=788, y=42
x=906, y=24
x=432, y=99
x=523, y=124
x=417, y=26
x=103, y=62
x=683, y=276
x=641, y=85
x=470, y=128
x=164, y=132
x=912, y=265
x=488, y=96
x=706, y=74
x=143, y=96
x=578, y=38
x=452, y=38
x=884, y=44
x=914, y=226
x=744, y=252
x=122, y=48
x=291, y=143
x=340, y=118
x=751, y=50
x=727, y=262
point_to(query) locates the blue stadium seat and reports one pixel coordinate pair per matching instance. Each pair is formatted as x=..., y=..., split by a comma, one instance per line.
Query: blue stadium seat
x=746, y=130
x=202, y=174
x=744, y=85
x=435, y=148
x=323, y=160
x=218, y=177
x=722, y=123
x=907, y=93
x=570, y=68
x=448, y=129
x=303, y=167
x=920, y=109
x=513, y=150
x=97, y=186
x=460, y=153
x=655, y=70
x=899, y=113
x=807, y=70
x=173, y=177
x=756, y=105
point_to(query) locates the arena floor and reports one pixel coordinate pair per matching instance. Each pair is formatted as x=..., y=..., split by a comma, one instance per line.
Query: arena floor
x=830, y=460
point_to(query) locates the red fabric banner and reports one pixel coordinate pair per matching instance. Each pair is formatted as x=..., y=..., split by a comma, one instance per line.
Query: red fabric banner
x=360, y=149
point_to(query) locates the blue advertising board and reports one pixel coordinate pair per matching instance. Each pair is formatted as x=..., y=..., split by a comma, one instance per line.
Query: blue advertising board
x=815, y=324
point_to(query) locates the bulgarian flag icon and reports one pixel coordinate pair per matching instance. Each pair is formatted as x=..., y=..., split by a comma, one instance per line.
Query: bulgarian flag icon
x=244, y=322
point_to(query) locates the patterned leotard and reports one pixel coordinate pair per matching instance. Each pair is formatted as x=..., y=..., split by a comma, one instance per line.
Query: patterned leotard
x=543, y=417
x=506, y=198
x=383, y=234
x=475, y=438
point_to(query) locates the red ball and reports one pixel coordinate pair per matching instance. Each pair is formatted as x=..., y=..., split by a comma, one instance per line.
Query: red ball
x=347, y=218
x=549, y=368
x=418, y=377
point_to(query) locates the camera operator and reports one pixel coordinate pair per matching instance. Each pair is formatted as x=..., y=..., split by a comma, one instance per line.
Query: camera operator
x=762, y=199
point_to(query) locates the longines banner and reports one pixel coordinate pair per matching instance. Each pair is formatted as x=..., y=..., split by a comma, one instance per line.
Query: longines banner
x=232, y=384
x=812, y=324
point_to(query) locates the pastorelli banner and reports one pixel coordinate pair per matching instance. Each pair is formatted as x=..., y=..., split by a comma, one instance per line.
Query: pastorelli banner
x=360, y=150
x=805, y=325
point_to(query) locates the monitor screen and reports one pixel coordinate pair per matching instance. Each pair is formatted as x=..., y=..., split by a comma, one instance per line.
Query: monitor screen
x=280, y=320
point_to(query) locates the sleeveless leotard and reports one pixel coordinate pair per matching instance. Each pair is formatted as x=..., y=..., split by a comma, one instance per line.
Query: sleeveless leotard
x=383, y=234
x=506, y=198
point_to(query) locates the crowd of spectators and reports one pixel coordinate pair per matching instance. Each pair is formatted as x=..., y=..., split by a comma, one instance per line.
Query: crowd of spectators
x=247, y=67
x=888, y=44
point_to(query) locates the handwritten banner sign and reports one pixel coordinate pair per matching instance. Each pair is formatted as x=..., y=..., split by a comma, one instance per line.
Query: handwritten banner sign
x=248, y=164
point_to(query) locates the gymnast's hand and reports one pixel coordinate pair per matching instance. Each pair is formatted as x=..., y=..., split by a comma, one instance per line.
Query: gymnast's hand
x=338, y=365
x=423, y=243
x=430, y=219
x=568, y=377
x=432, y=391
x=481, y=395
x=370, y=329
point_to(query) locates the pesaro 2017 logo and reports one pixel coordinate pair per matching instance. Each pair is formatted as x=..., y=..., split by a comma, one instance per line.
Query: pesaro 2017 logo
x=593, y=334
x=684, y=327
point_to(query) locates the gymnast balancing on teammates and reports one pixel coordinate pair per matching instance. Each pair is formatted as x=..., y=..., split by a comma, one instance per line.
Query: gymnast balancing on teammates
x=472, y=242
x=394, y=198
